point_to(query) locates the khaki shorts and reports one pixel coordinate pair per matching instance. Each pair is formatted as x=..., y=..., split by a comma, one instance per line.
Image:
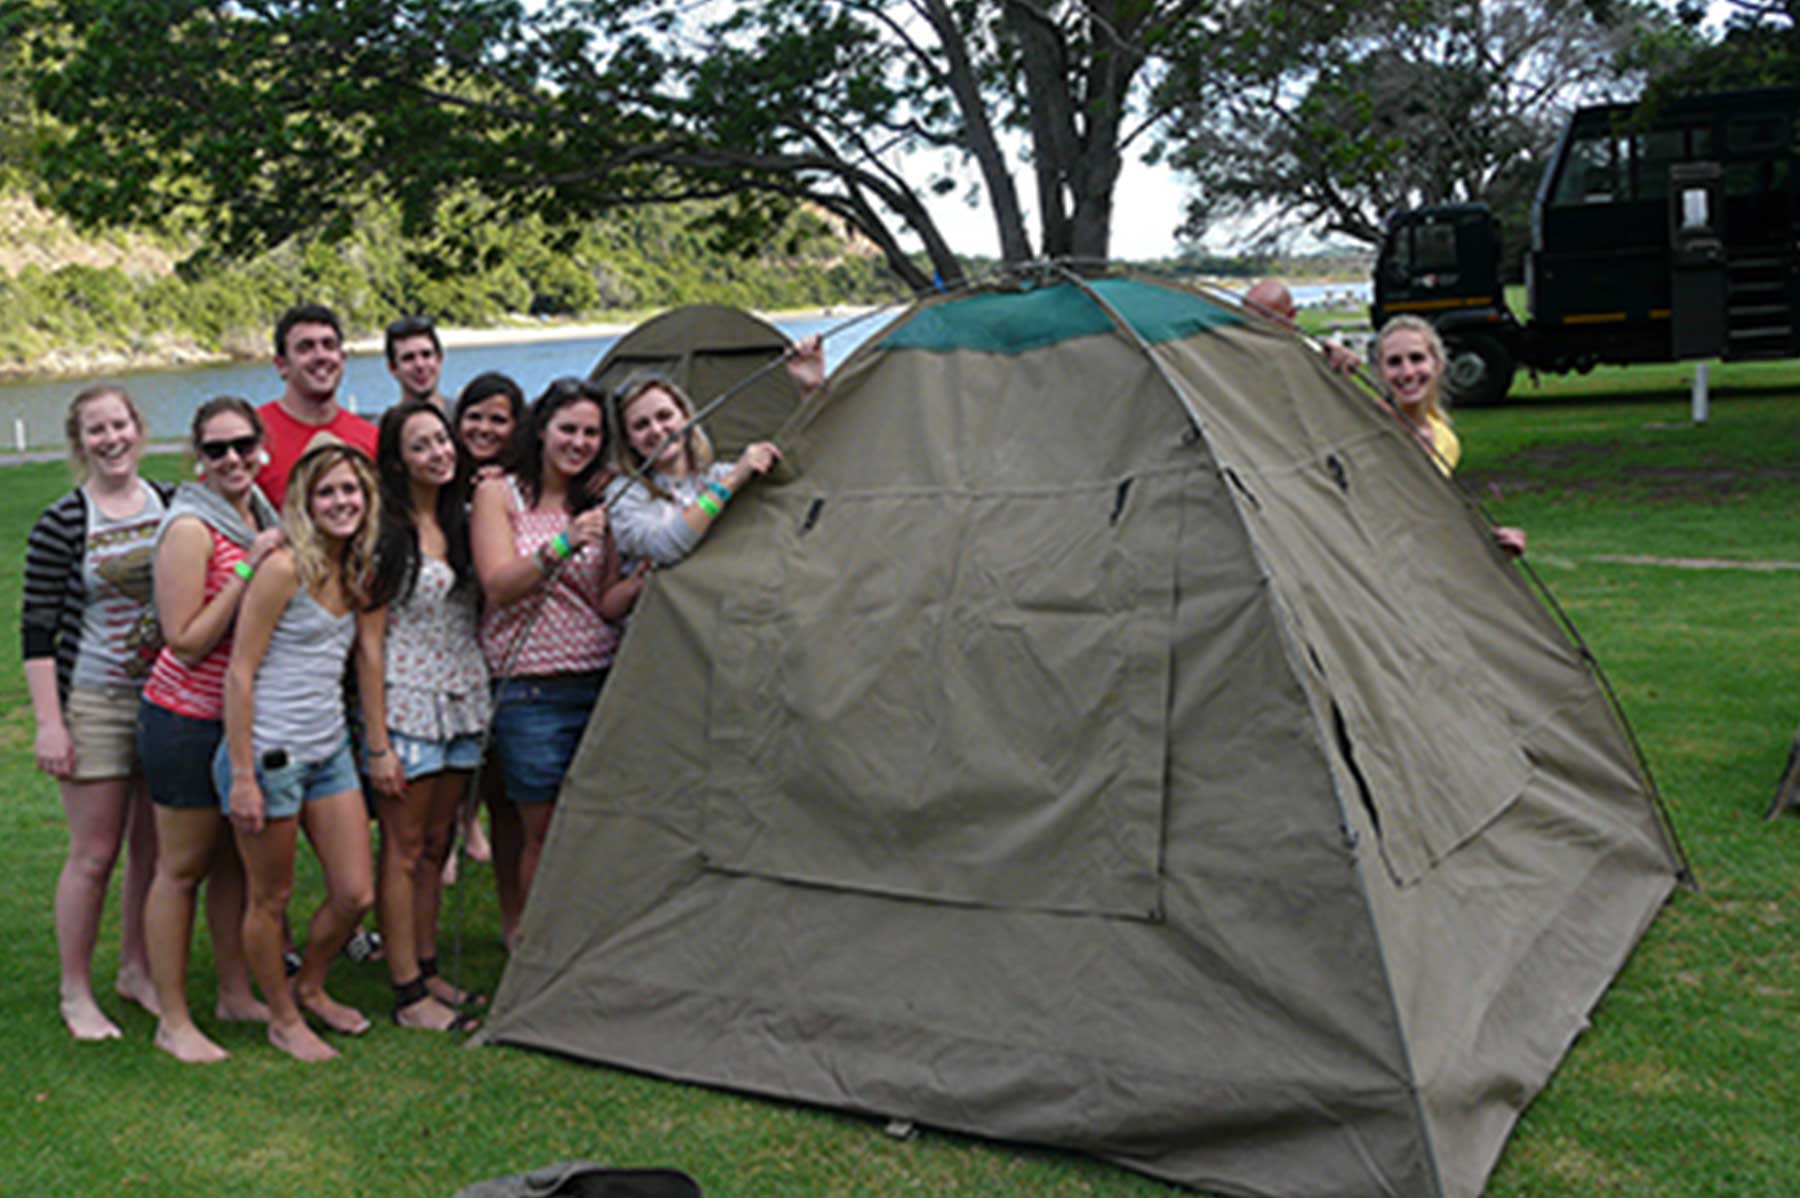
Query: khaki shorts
x=102, y=722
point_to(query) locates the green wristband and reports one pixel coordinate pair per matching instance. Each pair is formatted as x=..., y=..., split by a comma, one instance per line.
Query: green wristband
x=243, y=569
x=709, y=505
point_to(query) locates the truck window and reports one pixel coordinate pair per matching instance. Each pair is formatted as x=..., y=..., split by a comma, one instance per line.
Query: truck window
x=1752, y=133
x=1434, y=248
x=1590, y=174
x=1653, y=154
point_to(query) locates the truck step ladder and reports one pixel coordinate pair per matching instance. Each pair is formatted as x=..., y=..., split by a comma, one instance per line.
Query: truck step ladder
x=1759, y=319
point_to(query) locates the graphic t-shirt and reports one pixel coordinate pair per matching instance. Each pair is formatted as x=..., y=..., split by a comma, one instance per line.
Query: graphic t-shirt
x=120, y=636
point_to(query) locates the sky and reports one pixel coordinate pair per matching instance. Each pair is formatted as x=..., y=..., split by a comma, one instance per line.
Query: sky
x=1148, y=203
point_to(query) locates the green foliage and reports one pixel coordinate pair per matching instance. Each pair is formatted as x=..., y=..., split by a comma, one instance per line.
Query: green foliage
x=632, y=260
x=1760, y=47
x=265, y=120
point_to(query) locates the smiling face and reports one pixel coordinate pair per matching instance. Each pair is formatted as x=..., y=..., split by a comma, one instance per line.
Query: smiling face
x=649, y=419
x=427, y=450
x=487, y=427
x=337, y=502
x=313, y=364
x=415, y=364
x=1410, y=369
x=228, y=451
x=108, y=437
x=572, y=438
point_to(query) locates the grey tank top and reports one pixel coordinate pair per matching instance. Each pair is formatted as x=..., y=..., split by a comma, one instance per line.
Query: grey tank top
x=300, y=684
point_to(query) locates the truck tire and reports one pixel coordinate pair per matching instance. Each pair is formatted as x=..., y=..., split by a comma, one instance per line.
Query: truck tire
x=1480, y=370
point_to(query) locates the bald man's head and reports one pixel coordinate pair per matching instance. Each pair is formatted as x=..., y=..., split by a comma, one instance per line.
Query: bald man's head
x=1271, y=298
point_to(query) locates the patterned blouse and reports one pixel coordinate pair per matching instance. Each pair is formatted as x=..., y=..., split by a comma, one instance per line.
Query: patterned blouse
x=437, y=679
x=570, y=636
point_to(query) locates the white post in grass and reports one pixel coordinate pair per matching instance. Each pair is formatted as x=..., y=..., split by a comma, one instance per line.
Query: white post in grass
x=19, y=433
x=1699, y=398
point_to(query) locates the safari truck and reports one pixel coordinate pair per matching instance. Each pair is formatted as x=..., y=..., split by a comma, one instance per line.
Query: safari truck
x=1656, y=235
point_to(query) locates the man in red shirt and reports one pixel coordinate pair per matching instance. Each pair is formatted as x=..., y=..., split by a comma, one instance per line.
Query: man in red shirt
x=309, y=356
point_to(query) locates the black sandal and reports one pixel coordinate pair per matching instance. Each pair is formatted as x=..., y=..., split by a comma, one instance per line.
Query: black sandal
x=411, y=994
x=428, y=969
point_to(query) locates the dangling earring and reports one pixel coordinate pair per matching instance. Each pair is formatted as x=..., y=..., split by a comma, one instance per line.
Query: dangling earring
x=262, y=458
x=199, y=469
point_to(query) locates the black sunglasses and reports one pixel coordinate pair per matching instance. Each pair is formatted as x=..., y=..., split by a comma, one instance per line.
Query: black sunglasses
x=244, y=446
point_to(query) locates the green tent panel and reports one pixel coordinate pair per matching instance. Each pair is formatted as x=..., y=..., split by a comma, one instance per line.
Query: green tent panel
x=1107, y=731
x=706, y=349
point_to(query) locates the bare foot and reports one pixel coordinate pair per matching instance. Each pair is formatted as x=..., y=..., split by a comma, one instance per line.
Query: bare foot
x=135, y=986
x=301, y=1042
x=448, y=878
x=430, y=1015
x=86, y=1021
x=347, y=1021
x=241, y=1008
x=188, y=1044
x=476, y=844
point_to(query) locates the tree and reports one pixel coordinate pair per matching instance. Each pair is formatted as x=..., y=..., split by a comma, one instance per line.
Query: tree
x=16, y=117
x=1366, y=108
x=268, y=117
x=1760, y=47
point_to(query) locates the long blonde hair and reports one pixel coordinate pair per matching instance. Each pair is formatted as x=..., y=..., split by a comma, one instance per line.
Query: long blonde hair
x=311, y=555
x=78, y=463
x=1406, y=322
x=698, y=447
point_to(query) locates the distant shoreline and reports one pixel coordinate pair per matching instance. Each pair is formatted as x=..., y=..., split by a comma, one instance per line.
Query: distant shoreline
x=166, y=354
x=519, y=334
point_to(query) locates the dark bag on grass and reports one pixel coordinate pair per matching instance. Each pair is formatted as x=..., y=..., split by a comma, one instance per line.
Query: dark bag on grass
x=585, y=1179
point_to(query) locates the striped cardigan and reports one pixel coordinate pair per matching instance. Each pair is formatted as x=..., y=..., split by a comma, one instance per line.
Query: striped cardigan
x=50, y=609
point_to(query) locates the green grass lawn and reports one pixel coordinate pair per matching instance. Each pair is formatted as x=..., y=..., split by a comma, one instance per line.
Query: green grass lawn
x=1677, y=1090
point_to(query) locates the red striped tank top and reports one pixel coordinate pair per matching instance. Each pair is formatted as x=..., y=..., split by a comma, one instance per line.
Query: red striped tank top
x=198, y=691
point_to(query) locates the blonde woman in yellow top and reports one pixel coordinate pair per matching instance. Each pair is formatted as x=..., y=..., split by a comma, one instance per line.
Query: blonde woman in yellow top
x=1410, y=357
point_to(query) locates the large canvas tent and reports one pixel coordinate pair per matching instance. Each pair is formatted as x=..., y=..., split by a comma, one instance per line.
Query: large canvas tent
x=707, y=349
x=1109, y=731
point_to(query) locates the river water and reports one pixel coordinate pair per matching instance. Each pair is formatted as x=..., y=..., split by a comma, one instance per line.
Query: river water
x=168, y=398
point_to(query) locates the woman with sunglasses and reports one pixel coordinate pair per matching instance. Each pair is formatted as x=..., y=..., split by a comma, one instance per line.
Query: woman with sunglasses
x=424, y=690
x=217, y=532
x=89, y=636
x=550, y=573
x=668, y=489
x=285, y=764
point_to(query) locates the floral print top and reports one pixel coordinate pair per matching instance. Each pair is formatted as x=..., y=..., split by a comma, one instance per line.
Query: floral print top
x=437, y=679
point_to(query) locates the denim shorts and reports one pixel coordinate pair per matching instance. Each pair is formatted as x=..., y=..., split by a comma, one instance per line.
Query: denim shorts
x=177, y=752
x=420, y=758
x=538, y=724
x=287, y=786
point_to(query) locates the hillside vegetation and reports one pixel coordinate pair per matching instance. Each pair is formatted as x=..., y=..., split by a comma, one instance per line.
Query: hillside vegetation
x=75, y=303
